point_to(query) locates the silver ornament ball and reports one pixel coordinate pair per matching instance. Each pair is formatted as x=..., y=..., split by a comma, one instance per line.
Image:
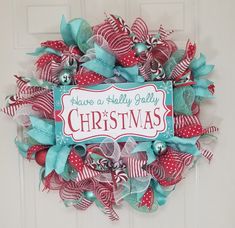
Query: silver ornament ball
x=140, y=47
x=159, y=147
x=89, y=195
x=65, y=77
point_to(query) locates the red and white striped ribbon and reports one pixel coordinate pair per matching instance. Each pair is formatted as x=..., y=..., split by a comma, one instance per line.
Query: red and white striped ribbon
x=163, y=33
x=211, y=129
x=140, y=29
x=182, y=121
x=135, y=168
x=87, y=173
x=205, y=153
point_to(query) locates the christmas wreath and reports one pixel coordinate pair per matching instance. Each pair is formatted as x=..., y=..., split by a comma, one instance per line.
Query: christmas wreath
x=111, y=57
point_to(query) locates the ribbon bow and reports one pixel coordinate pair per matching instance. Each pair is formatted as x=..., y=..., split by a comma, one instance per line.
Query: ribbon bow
x=104, y=163
x=76, y=32
x=30, y=98
x=204, y=88
x=167, y=168
x=104, y=64
x=43, y=132
x=56, y=56
x=82, y=194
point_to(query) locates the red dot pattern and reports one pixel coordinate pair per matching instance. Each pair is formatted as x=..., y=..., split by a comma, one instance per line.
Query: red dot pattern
x=85, y=78
x=75, y=161
x=191, y=50
x=129, y=59
x=173, y=163
x=147, y=199
x=58, y=45
x=34, y=149
x=44, y=59
x=189, y=131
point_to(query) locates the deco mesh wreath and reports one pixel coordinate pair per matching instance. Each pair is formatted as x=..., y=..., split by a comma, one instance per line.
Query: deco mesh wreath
x=145, y=132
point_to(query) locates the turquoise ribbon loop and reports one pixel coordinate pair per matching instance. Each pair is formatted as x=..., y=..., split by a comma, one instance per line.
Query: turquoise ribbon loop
x=131, y=74
x=42, y=131
x=203, y=92
x=202, y=88
x=40, y=83
x=203, y=83
x=160, y=194
x=147, y=148
x=199, y=67
x=103, y=63
x=43, y=50
x=80, y=149
x=76, y=32
x=56, y=159
x=197, y=63
x=183, y=99
x=187, y=145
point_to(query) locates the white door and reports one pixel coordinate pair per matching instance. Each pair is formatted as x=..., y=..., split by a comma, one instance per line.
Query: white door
x=205, y=199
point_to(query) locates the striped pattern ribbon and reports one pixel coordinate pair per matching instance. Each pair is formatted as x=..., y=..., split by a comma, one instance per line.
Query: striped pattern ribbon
x=87, y=173
x=182, y=121
x=41, y=99
x=183, y=65
x=168, y=167
x=135, y=167
x=205, y=152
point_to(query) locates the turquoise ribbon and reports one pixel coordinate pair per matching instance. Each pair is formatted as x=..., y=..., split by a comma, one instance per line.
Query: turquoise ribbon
x=76, y=32
x=68, y=174
x=147, y=148
x=42, y=131
x=56, y=159
x=175, y=58
x=187, y=145
x=183, y=99
x=131, y=74
x=201, y=88
x=80, y=149
x=43, y=50
x=160, y=195
x=104, y=64
x=199, y=66
x=40, y=83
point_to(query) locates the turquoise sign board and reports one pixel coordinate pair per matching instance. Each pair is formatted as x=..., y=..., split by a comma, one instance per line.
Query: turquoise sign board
x=116, y=111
